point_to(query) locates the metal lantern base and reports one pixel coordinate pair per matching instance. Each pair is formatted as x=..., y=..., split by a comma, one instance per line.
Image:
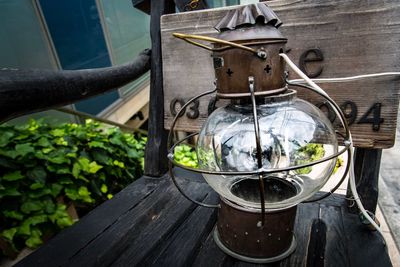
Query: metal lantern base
x=240, y=234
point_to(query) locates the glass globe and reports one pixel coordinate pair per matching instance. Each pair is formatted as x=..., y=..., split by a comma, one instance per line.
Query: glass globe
x=292, y=132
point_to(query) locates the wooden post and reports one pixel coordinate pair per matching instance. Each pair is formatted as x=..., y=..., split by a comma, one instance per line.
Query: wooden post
x=156, y=150
x=366, y=168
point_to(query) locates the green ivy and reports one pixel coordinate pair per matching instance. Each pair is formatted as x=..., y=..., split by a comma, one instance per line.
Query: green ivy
x=186, y=155
x=45, y=168
x=308, y=153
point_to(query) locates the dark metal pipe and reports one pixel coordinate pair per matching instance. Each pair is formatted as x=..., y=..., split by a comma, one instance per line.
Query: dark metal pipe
x=27, y=91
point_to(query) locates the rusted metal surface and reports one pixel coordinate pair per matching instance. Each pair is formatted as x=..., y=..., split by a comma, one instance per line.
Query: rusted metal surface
x=240, y=231
x=237, y=65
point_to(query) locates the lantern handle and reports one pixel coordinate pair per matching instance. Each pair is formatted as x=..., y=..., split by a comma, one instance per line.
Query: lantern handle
x=186, y=37
x=171, y=156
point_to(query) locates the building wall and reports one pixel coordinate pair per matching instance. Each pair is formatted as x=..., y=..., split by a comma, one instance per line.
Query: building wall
x=79, y=34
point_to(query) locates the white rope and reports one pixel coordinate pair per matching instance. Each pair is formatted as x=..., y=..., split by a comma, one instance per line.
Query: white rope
x=318, y=89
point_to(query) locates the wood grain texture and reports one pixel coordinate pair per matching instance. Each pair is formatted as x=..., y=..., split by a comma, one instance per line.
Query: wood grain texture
x=366, y=168
x=146, y=225
x=70, y=241
x=355, y=38
x=156, y=148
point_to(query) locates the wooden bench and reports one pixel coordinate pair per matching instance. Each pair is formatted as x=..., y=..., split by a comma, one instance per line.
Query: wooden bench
x=151, y=223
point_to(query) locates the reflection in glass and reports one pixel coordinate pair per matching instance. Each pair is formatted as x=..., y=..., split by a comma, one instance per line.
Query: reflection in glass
x=292, y=132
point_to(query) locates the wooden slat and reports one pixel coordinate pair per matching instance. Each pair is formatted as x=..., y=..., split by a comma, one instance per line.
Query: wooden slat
x=138, y=232
x=182, y=246
x=365, y=248
x=355, y=38
x=156, y=148
x=366, y=169
x=161, y=228
x=336, y=253
x=69, y=242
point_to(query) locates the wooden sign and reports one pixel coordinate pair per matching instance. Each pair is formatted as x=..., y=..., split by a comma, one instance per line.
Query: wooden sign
x=326, y=38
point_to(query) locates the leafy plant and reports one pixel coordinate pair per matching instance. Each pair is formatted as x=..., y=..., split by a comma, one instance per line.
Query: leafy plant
x=186, y=155
x=308, y=153
x=43, y=169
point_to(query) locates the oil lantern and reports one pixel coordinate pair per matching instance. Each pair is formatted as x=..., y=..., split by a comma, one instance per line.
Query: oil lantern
x=255, y=151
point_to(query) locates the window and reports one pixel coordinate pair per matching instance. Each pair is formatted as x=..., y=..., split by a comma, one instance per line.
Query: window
x=127, y=31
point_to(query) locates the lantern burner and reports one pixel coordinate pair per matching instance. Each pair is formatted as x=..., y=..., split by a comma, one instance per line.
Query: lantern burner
x=240, y=234
x=275, y=189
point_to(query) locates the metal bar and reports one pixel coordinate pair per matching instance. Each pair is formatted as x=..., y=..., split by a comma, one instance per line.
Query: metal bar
x=27, y=91
x=89, y=116
x=258, y=147
x=257, y=172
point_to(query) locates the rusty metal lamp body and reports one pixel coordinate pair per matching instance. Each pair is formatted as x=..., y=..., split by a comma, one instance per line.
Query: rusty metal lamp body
x=252, y=151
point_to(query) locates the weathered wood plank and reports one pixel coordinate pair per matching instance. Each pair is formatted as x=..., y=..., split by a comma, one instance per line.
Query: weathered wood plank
x=156, y=148
x=366, y=169
x=161, y=228
x=354, y=37
x=59, y=250
x=335, y=253
x=365, y=248
x=128, y=241
x=182, y=246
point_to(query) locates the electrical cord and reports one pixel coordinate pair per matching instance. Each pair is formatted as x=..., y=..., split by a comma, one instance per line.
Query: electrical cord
x=347, y=79
x=316, y=88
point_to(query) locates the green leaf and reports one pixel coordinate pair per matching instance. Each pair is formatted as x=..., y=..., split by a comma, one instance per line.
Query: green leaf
x=94, y=167
x=44, y=142
x=64, y=180
x=133, y=153
x=37, y=219
x=35, y=186
x=47, y=150
x=56, y=190
x=76, y=169
x=5, y=138
x=38, y=174
x=13, y=176
x=84, y=194
x=9, y=233
x=104, y=188
x=119, y=164
x=101, y=156
x=71, y=193
x=24, y=149
x=49, y=206
x=59, y=159
x=13, y=214
x=116, y=140
x=39, y=192
x=97, y=144
x=9, y=153
x=83, y=191
x=24, y=228
x=30, y=206
x=57, y=132
x=64, y=222
x=10, y=191
x=7, y=163
x=61, y=141
x=84, y=163
x=34, y=240
x=109, y=196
